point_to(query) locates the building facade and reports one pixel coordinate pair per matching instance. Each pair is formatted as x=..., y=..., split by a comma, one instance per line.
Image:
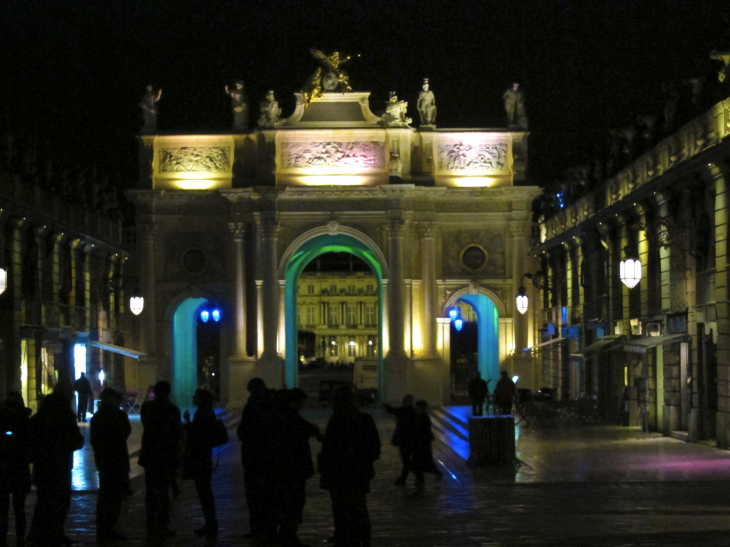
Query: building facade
x=657, y=352
x=231, y=220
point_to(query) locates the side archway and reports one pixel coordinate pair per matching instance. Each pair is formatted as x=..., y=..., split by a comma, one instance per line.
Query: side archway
x=301, y=253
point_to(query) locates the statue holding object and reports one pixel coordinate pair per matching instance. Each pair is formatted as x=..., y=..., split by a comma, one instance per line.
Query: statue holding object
x=239, y=105
x=395, y=112
x=427, y=105
x=270, y=111
x=149, y=109
x=514, y=104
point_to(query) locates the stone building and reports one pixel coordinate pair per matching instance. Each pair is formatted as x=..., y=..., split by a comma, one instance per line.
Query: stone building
x=231, y=220
x=667, y=339
x=63, y=310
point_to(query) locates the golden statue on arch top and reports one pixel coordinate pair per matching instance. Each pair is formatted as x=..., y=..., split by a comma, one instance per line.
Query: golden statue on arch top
x=327, y=78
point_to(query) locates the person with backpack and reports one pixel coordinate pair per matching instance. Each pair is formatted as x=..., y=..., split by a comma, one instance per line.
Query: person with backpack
x=14, y=463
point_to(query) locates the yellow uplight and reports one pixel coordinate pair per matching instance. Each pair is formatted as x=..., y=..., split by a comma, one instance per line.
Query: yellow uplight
x=334, y=180
x=474, y=182
x=195, y=184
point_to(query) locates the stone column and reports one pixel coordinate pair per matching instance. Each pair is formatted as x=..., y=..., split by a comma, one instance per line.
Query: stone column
x=520, y=234
x=270, y=287
x=429, y=330
x=396, y=290
x=149, y=313
x=238, y=230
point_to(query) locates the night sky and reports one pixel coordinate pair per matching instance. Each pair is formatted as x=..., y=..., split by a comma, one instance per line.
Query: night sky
x=74, y=71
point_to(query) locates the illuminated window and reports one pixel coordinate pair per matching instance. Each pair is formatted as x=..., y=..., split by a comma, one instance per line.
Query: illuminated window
x=370, y=289
x=372, y=346
x=334, y=314
x=310, y=289
x=370, y=315
x=299, y=316
x=310, y=315
x=351, y=289
x=351, y=349
x=79, y=359
x=351, y=313
x=333, y=348
x=333, y=289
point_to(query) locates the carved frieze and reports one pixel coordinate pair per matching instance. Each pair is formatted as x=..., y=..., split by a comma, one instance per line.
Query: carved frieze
x=333, y=155
x=195, y=159
x=482, y=157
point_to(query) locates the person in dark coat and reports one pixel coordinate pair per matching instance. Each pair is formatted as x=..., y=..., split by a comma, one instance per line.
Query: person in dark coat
x=14, y=463
x=422, y=458
x=55, y=436
x=477, y=393
x=350, y=446
x=159, y=454
x=293, y=461
x=83, y=388
x=110, y=430
x=257, y=456
x=199, y=449
x=504, y=393
x=405, y=417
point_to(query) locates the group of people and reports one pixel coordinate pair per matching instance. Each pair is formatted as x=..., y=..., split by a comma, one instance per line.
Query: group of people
x=413, y=437
x=277, y=462
x=504, y=394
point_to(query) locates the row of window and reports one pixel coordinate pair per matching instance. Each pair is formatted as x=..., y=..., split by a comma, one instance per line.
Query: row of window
x=333, y=315
x=371, y=347
x=333, y=289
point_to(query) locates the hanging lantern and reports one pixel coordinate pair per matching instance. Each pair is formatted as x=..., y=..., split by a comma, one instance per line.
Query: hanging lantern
x=630, y=272
x=216, y=313
x=3, y=280
x=136, y=304
x=204, y=316
x=458, y=324
x=522, y=303
x=453, y=313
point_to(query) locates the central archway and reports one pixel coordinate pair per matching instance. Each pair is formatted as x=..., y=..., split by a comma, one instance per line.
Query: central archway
x=184, y=351
x=305, y=253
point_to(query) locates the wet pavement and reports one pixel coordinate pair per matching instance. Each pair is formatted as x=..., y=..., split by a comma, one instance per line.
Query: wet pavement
x=588, y=485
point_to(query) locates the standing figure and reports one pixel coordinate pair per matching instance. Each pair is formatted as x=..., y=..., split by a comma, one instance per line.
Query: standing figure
x=504, y=393
x=14, y=463
x=83, y=388
x=257, y=455
x=293, y=461
x=199, y=449
x=239, y=105
x=405, y=418
x=422, y=459
x=350, y=447
x=159, y=455
x=478, y=394
x=110, y=430
x=427, y=105
x=149, y=109
x=514, y=104
x=270, y=111
x=55, y=436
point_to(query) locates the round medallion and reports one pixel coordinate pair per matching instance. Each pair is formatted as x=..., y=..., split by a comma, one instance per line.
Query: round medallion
x=194, y=261
x=330, y=81
x=473, y=257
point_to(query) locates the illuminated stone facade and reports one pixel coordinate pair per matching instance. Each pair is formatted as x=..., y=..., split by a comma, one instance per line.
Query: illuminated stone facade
x=671, y=332
x=437, y=214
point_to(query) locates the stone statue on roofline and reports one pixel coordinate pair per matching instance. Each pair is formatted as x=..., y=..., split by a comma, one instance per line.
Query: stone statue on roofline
x=149, y=109
x=427, y=105
x=395, y=112
x=239, y=105
x=328, y=77
x=723, y=56
x=270, y=111
x=514, y=104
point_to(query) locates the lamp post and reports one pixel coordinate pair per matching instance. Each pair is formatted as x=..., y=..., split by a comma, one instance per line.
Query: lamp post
x=630, y=270
x=523, y=303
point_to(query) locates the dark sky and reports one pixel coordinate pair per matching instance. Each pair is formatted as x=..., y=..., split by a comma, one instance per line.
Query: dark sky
x=74, y=71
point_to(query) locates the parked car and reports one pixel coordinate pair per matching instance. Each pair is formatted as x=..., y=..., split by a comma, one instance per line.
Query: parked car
x=363, y=397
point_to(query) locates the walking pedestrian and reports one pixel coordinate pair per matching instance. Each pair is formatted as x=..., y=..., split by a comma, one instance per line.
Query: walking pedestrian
x=504, y=393
x=109, y=431
x=14, y=464
x=257, y=456
x=55, y=436
x=293, y=462
x=198, y=458
x=405, y=418
x=477, y=393
x=83, y=388
x=160, y=453
x=350, y=447
x=422, y=458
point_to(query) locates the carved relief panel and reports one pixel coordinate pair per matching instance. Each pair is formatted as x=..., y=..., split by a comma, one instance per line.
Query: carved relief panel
x=487, y=158
x=195, y=159
x=467, y=253
x=340, y=156
x=195, y=255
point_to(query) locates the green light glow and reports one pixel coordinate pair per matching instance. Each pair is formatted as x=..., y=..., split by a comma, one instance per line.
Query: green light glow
x=185, y=351
x=488, y=336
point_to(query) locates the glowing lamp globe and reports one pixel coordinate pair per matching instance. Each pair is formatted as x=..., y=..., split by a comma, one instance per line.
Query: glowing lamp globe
x=216, y=313
x=453, y=313
x=458, y=324
x=136, y=305
x=3, y=280
x=522, y=303
x=204, y=316
x=630, y=272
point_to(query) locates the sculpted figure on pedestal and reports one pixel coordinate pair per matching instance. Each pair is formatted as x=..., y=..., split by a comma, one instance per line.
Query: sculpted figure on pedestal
x=239, y=105
x=149, y=108
x=723, y=56
x=514, y=104
x=395, y=112
x=270, y=111
x=426, y=105
x=329, y=77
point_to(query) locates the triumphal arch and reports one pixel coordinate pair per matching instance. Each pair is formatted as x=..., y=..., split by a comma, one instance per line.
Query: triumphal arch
x=231, y=220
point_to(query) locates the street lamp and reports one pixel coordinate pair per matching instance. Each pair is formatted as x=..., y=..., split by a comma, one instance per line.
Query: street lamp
x=522, y=301
x=455, y=315
x=630, y=270
x=3, y=280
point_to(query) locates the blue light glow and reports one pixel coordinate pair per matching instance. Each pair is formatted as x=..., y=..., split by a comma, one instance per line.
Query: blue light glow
x=453, y=313
x=458, y=324
x=204, y=316
x=216, y=315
